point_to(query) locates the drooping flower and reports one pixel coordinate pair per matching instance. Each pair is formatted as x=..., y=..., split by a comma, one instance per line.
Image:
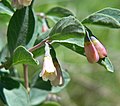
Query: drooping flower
x=94, y=49
x=90, y=51
x=51, y=67
x=49, y=71
x=21, y=3
x=59, y=80
x=100, y=48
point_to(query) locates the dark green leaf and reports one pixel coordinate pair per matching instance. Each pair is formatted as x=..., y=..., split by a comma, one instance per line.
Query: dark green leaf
x=5, y=8
x=35, y=32
x=21, y=28
x=23, y=56
x=108, y=17
x=13, y=93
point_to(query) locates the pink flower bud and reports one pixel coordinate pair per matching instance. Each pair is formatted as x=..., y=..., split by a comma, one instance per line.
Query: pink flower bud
x=44, y=26
x=90, y=51
x=100, y=48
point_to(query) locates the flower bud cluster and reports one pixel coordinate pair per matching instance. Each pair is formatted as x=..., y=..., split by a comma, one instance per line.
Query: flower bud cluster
x=94, y=50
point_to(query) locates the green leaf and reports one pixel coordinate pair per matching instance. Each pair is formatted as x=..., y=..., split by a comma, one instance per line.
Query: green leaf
x=107, y=64
x=74, y=46
x=68, y=25
x=13, y=93
x=5, y=8
x=66, y=29
x=70, y=33
x=21, y=28
x=58, y=12
x=40, y=89
x=38, y=52
x=50, y=103
x=108, y=17
x=37, y=96
x=23, y=56
x=35, y=32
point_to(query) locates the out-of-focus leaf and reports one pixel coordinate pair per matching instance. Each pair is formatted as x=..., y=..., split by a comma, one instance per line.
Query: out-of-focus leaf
x=108, y=17
x=21, y=28
x=37, y=96
x=22, y=56
x=58, y=12
x=5, y=8
x=13, y=93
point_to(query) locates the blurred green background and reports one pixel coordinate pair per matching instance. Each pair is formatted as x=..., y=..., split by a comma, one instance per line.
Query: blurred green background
x=91, y=84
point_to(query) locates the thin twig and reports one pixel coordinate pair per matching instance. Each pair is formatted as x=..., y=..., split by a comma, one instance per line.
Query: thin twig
x=37, y=46
x=26, y=77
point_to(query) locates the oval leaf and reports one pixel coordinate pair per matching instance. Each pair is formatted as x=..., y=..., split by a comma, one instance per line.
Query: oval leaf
x=68, y=25
x=107, y=64
x=108, y=17
x=58, y=12
x=21, y=28
x=23, y=56
x=11, y=91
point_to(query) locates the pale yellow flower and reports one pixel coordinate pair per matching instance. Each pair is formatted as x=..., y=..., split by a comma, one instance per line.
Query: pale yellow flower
x=49, y=71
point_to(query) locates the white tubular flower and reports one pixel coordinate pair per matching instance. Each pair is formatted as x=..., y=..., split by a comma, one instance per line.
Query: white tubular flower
x=49, y=71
